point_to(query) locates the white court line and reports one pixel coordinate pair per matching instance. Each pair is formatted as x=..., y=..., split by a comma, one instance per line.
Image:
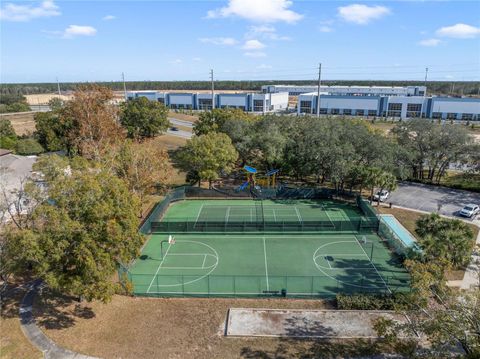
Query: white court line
x=227, y=214
x=163, y=260
x=274, y=215
x=328, y=216
x=251, y=216
x=373, y=265
x=298, y=214
x=204, y=259
x=328, y=262
x=198, y=215
x=266, y=268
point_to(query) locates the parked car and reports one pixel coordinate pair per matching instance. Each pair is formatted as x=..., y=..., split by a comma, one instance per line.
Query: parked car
x=470, y=210
x=381, y=195
x=174, y=128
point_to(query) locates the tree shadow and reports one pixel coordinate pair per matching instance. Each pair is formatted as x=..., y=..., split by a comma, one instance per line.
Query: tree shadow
x=56, y=311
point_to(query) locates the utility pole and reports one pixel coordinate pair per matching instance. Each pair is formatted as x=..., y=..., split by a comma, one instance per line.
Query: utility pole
x=124, y=86
x=318, y=90
x=58, y=88
x=213, y=89
x=425, y=84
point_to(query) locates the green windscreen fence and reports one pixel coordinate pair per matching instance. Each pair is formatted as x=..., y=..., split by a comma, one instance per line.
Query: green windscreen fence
x=161, y=207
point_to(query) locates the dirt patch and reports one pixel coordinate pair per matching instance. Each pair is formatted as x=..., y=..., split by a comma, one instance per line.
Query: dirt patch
x=23, y=123
x=44, y=98
x=306, y=323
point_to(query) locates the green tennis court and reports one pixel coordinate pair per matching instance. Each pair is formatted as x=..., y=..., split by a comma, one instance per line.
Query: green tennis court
x=259, y=265
x=269, y=210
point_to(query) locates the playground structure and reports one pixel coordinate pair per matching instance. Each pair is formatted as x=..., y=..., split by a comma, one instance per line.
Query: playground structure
x=269, y=181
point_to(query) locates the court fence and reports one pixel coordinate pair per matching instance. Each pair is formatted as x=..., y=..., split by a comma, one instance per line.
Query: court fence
x=395, y=243
x=155, y=224
x=256, y=285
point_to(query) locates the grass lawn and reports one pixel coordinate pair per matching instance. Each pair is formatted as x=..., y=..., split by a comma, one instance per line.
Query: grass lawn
x=177, y=328
x=462, y=180
x=13, y=344
x=23, y=123
x=182, y=116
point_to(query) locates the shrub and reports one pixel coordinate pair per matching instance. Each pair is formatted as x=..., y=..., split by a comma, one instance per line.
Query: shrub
x=8, y=143
x=392, y=301
x=28, y=146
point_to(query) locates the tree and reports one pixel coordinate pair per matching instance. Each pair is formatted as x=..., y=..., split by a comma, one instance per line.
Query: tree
x=432, y=147
x=208, y=155
x=90, y=121
x=50, y=132
x=142, y=167
x=83, y=229
x=376, y=178
x=8, y=137
x=213, y=121
x=144, y=118
x=450, y=239
x=28, y=146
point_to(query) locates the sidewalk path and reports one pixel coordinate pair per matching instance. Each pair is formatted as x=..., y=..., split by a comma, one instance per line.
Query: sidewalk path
x=49, y=349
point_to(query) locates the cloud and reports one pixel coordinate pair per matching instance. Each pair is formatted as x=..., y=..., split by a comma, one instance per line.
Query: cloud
x=263, y=67
x=429, y=42
x=78, y=30
x=108, y=17
x=459, y=31
x=267, y=32
x=227, y=41
x=14, y=12
x=325, y=28
x=255, y=54
x=258, y=11
x=253, y=45
x=362, y=14
x=176, y=61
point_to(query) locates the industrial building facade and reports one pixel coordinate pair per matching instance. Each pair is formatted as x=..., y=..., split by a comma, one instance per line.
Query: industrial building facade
x=250, y=102
x=371, y=101
x=447, y=108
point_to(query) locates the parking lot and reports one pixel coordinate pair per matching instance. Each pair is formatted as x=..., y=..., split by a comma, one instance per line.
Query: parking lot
x=428, y=198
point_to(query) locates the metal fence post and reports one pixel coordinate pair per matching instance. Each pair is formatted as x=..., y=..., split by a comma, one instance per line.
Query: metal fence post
x=234, y=288
x=183, y=285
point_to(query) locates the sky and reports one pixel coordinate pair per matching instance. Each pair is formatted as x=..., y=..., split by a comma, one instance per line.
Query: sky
x=41, y=41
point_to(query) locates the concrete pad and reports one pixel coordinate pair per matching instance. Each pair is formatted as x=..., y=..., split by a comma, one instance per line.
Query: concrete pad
x=296, y=323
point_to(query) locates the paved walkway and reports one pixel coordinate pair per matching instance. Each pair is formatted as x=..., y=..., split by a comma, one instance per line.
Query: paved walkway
x=49, y=349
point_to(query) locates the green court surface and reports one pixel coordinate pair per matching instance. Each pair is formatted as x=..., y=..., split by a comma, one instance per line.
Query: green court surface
x=267, y=210
x=304, y=265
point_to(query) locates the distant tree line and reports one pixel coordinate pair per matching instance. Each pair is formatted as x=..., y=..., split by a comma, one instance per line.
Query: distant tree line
x=13, y=102
x=465, y=88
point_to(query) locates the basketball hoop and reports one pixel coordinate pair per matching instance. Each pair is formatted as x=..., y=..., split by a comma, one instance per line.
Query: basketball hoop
x=171, y=239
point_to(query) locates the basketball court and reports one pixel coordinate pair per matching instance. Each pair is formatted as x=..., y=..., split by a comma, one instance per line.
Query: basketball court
x=252, y=265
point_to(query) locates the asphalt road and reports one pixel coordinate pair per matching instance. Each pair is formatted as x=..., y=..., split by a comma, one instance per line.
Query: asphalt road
x=428, y=198
x=180, y=133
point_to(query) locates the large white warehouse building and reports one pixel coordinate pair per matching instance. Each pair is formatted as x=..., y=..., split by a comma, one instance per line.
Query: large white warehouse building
x=391, y=106
x=250, y=102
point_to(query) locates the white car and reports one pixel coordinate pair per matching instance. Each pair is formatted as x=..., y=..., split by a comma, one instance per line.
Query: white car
x=470, y=210
x=381, y=196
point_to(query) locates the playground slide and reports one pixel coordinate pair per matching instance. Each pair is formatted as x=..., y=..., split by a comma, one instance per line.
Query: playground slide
x=243, y=186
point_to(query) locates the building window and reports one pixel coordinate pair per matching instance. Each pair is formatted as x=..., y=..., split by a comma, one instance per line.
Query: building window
x=467, y=116
x=359, y=112
x=305, y=106
x=437, y=115
x=334, y=111
x=205, y=104
x=414, y=107
x=161, y=100
x=451, y=116
x=394, y=107
x=130, y=97
x=323, y=111
x=258, y=105
x=372, y=113
x=347, y=112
